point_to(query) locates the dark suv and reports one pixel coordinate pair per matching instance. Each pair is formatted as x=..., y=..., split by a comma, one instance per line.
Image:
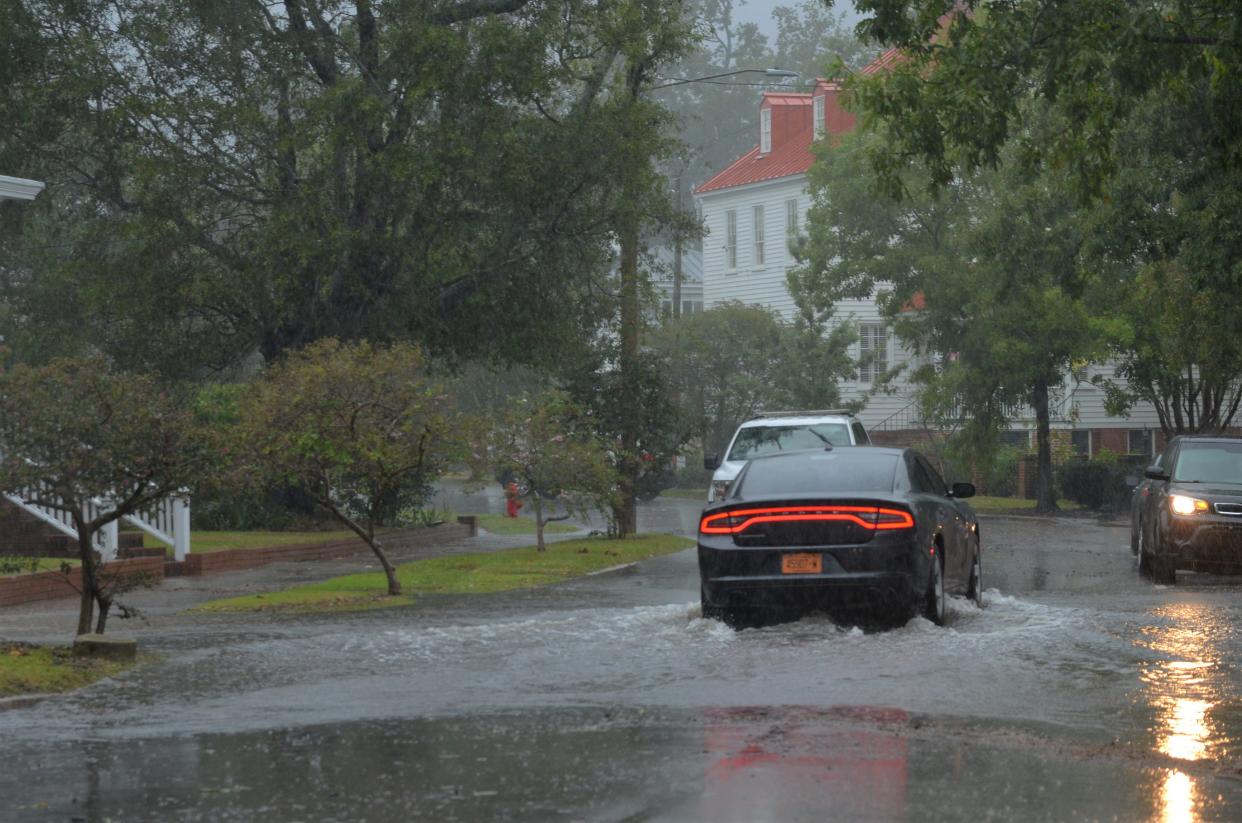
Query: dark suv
x=1188, y=512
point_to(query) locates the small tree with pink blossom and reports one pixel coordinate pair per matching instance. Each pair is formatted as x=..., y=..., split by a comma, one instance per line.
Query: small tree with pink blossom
x=551, y=449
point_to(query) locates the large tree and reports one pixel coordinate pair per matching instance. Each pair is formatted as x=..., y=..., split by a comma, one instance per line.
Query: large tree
x=959, y=94
x=1151, y=135
x=982, y=280
x=237, y=176
x=1167, y=255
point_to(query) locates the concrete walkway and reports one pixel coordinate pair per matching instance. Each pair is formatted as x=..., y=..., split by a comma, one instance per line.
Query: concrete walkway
x=55, y=621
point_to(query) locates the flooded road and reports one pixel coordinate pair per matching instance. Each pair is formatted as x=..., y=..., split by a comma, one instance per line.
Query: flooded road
x=1079, y=692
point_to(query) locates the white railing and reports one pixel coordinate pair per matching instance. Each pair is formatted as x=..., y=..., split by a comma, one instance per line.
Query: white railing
x=167, y=520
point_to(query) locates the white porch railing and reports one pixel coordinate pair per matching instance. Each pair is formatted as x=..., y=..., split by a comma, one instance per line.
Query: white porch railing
x=167, y=520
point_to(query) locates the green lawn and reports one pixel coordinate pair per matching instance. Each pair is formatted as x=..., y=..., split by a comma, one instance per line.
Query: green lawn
x=41, y=670
x=202, y=542
x=991, y=505
x=499, y=524
x=461, y=574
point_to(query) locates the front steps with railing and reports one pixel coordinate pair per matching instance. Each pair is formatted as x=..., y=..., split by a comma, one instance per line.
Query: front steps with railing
x=33, y=525
x=22, y=534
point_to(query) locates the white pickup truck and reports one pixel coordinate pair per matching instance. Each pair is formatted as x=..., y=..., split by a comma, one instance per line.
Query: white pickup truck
x=781, y=431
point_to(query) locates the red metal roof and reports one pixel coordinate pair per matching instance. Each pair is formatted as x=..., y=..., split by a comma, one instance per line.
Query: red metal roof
x=884, y=62
x=787, y=98
x=792, y=154
x=793, y=157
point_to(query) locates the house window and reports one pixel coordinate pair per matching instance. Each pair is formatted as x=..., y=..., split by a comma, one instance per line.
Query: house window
x=765, y=131
x=1080, y=441
x=873, y=351
x=731, y=240
x=791, y=217
x=1141, y=442
x=817, y=114
x=757, y=215
x=691, y=306
x=1016, y=438
x=666, y=308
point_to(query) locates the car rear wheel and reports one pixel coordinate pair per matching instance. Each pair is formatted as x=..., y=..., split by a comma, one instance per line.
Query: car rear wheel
x=933, y=607
x=974, y=589
x=710, y=612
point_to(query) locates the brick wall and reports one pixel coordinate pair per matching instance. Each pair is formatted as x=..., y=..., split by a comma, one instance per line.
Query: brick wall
x=30, y=588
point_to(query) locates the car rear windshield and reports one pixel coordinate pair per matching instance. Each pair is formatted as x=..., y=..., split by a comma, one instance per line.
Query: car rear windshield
x=1209, y=463
x=756, y=441
x=829, y=472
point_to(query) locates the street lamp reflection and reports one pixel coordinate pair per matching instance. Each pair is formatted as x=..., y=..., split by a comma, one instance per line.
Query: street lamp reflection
x=1186, y=729
x=1179, y=798
x=1183, y=692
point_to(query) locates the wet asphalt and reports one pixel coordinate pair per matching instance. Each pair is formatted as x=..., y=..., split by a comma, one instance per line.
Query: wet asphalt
x=1079, y=692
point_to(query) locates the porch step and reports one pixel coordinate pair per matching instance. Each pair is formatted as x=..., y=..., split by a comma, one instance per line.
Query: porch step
x=24, y=535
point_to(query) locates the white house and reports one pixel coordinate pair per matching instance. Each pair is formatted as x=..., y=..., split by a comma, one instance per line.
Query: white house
x=754, y=205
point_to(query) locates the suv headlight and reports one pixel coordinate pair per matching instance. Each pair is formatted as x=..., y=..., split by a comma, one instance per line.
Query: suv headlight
x=720, y=488
x=1181, y=504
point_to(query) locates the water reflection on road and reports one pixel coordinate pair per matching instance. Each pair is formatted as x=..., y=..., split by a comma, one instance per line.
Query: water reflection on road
x=1188, y=681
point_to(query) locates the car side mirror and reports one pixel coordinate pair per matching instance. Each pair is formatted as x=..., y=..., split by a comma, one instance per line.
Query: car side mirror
x=711, y=462
x=962, y=490
x=1155, y=473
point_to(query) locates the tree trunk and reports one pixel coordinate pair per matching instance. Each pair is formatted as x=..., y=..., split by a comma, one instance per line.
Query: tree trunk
x=677, y=244
x=390, y=571
x=627, y=514
x=105, y=606
x=1045, y=494
x=539, y=521
x=86, y=555
x=368, y=536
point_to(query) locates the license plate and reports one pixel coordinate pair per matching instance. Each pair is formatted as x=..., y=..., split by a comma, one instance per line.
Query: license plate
x=803, y=563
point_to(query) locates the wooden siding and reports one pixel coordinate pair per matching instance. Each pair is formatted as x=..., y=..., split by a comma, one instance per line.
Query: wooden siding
x=767, y=286
x=1083, y=405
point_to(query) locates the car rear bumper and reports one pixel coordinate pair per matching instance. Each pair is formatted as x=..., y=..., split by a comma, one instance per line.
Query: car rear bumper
x=891, y=577
x=864, y=591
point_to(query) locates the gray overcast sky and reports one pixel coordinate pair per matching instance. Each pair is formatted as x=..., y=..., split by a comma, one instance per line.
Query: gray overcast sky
x=760, y=12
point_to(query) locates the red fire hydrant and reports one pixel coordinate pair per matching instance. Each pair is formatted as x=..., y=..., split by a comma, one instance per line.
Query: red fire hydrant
x=513, y=500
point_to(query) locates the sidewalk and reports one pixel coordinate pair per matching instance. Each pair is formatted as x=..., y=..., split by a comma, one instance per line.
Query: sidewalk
x=55, y=621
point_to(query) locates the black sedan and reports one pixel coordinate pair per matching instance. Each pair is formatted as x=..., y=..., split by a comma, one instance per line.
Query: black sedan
x=1189, y=510
x=862, y=528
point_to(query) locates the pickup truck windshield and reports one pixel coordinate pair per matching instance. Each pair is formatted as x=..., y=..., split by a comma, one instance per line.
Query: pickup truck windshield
x=755, y=441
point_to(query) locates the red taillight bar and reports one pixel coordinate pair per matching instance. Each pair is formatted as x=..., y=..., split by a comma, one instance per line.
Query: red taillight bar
x=739, y=520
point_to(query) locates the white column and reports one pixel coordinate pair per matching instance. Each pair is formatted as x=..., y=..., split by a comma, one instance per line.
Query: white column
x=181, y=527
x=109, y=540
